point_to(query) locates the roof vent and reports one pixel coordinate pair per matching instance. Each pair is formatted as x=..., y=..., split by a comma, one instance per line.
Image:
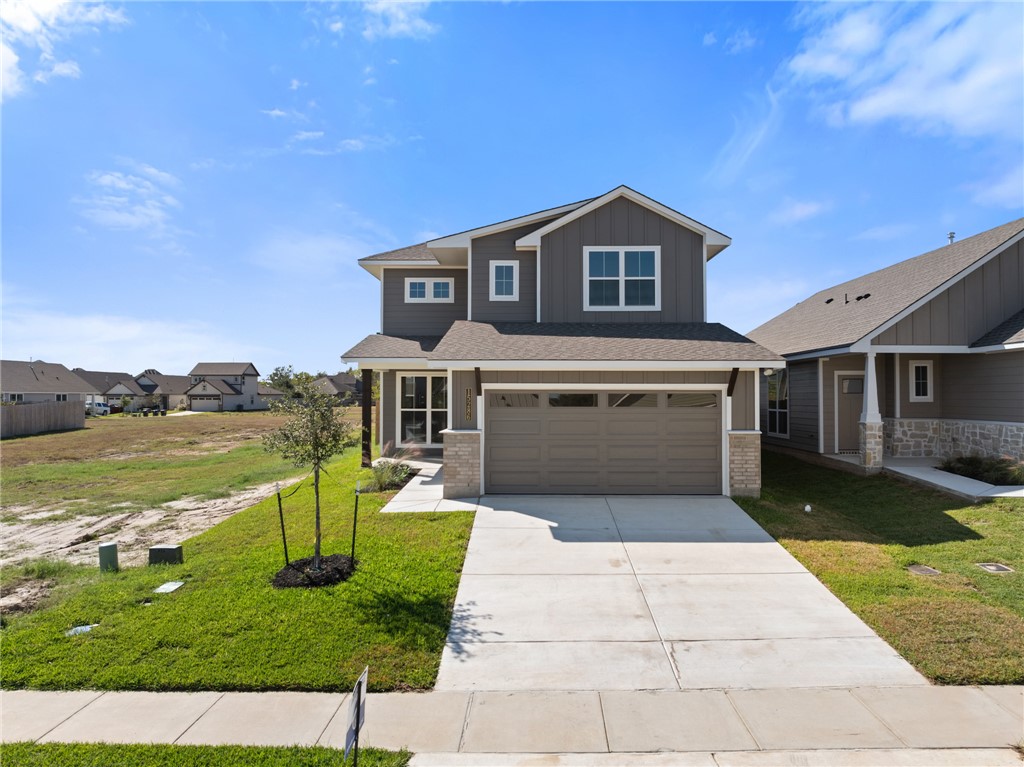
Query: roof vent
x=829, y=300
x=952, y=236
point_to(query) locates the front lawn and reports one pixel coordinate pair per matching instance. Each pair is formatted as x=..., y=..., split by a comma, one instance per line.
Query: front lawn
x=105, y=755
x=965, y=626
x=227, y=628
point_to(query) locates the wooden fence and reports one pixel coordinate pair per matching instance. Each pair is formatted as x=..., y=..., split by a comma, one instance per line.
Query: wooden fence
x=37, y=417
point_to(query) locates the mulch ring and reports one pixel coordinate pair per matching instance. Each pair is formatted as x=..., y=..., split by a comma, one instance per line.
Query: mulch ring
x=300, y=573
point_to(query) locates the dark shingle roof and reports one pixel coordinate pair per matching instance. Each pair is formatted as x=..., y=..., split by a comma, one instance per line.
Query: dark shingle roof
x=392, y=347
x=337, y=384
x=170, y=384
x=640, y=342
x=222, y=369
x=813, y=324
x=101, y=380
x=1009, y=332
x=411, y=253
x=268, y=391
x=38, y=377
x=131, y=385
x=219, y=384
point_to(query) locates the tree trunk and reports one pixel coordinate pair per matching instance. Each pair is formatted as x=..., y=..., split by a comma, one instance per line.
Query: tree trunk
x=316, y=494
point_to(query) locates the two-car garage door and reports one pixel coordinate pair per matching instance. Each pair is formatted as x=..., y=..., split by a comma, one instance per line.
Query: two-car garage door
x=651, y=442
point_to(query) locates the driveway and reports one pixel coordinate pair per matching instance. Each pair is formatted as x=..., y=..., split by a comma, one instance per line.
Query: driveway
x=647, y=593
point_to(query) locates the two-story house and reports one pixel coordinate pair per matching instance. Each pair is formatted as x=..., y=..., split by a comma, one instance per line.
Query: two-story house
x=567, y=351
x=221, y=386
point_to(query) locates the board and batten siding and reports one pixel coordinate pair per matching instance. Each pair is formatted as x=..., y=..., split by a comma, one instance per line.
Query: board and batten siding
x=463, y=380
x=803, y=407
x=502, y=247
x=983, y=387
x=965, y=311
x=420, y=319
x=622, y=222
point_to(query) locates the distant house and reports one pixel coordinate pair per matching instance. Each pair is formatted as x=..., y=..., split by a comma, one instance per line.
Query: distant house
x=128, y=387
x=38, y=381
x=344, y=386
x=269, y=394
x=220, y=386
x=103, y=381
x=922, y=359
x=169, y=391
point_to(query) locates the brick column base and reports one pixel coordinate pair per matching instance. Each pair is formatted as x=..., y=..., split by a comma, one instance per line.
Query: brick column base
x=461, y=463
x=745, y=463
x=871, y=445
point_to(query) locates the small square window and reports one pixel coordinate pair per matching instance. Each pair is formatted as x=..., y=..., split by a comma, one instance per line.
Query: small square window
x=417, y=290
x=442, y=290
x=504, y=281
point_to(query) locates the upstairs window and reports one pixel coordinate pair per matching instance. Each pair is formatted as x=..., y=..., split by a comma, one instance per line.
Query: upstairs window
x=778, y=403
x=429, y=290
x=921, y=381
x=622, y=278
x=504, y=281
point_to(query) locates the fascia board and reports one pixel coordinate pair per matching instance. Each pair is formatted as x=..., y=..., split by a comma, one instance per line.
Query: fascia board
x=716, y=240
x=462, y=239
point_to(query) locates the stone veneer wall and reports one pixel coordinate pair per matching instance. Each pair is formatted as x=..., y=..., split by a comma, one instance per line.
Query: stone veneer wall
x=461, y=463
x=745, y=463
x=945, y=438
x=871, y=445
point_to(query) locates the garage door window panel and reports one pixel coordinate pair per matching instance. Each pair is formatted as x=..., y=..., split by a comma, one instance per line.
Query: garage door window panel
x=644, y=399
x=572, y=400
x=693, y=399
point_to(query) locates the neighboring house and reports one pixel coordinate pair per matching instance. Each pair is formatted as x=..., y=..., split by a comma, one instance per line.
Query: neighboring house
x=38, y=381
x=169, y=392
x=102, y=381
x=137, y=397
x=269, y=394
x=924, y=358
x=567, y=351
x=344, y=386
x=220, y=386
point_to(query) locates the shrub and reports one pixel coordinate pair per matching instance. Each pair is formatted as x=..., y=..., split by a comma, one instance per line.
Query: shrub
x=990, y=469
x=388, y=475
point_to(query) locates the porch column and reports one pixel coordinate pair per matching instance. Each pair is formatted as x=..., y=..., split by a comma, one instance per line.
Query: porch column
x=367, y=403
x=870, y=419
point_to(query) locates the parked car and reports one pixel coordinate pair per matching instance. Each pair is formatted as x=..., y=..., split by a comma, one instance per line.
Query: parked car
x=97, y=408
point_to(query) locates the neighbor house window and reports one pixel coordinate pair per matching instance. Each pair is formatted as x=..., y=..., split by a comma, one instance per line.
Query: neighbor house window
x=422, y=409
x=61, y=397
x=504, y=281
x=432, y=290
x=778, y=403
x=15, y=397
x=921, y=381
x=622, y=279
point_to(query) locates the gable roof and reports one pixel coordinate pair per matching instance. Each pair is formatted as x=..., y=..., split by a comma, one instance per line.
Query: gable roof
x=133, y=387
x=38, y=377
x=597, y=342
x=1008, y=333
x=818, y=323
x=268, y=391
x=223, y=369
x=381, y=347
x=336, y=384
x=418, y=252
x=218, y=385
x=715, y=241
x=101, y=380
x=167, y=384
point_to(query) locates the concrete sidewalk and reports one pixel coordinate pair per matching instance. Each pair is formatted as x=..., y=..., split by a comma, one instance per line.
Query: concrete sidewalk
x=855, y=726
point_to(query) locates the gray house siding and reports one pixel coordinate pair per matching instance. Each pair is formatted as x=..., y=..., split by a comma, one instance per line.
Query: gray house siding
x=910, y=409
x=803, y=407
x=743, y=399
x=968, y=309
x=622, y=222
x=983, y=387
x=420, y=319
x=502, y=247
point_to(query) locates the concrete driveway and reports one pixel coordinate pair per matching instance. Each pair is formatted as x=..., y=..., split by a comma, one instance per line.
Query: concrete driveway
x=647, y=593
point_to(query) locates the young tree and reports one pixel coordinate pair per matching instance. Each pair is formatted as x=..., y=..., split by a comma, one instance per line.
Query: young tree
x=312, y=435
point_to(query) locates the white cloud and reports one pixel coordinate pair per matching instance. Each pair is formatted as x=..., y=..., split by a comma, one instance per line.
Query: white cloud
x=116, y=342
x=278, y=114
x=295, y=84
x=44, y=25
x=388, y=18
x=710, y=39
x=942, y=68
x=308, y=135
x=794, y=211
x=361, y=144
x=885, y=232
x=336, y=25
x=739, y=41
x=749, y=132
x=1003, y=191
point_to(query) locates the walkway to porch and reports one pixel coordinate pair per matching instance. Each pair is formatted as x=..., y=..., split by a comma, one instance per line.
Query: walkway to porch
x=925, y=471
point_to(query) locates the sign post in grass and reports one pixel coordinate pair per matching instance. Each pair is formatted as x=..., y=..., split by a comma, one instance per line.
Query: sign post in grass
x=280, y=513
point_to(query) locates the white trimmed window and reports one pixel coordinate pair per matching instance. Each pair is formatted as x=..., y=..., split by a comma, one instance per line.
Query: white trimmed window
x=778, y=403
x=61, y=397
x=429, y=290
x=422, y=409
x=622, y=279
x=504, y=281
x=921, y=381
x=14, y=397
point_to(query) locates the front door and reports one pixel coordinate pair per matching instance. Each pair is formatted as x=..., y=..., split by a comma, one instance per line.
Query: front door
x=851, y=402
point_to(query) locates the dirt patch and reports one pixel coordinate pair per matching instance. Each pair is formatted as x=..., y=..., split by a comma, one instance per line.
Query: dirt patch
x=300, y=573
x=22, y=597
x=76, y=540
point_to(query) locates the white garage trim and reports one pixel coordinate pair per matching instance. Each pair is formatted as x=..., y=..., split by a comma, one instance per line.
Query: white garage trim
x=589, y=387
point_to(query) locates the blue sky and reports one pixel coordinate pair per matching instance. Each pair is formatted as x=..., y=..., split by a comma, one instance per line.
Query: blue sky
x=190, y=181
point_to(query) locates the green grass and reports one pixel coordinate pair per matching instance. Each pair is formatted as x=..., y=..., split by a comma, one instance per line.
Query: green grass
x=965, y=626
x=106, y=755
x=227, y=628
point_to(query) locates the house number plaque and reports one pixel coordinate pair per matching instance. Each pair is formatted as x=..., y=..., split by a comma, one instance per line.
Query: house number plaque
x=469, y=404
